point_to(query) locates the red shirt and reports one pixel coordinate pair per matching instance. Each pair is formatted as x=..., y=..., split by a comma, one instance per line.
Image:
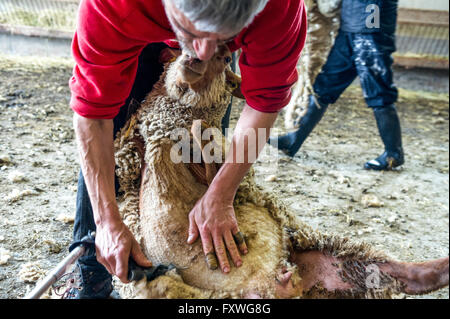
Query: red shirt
x=111, y=34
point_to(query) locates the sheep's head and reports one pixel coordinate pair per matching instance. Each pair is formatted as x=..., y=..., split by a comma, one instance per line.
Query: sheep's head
x=199, y=76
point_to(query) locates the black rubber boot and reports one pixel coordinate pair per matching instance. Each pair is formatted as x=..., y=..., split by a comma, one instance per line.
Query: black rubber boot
x=94, y=281
x=390, y=132
x=291, y=142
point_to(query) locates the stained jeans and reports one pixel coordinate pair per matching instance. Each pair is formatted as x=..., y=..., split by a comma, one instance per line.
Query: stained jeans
x=367, y=55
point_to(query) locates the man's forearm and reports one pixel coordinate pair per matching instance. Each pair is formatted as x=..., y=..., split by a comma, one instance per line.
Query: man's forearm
x=246, y=146
x=96, y=149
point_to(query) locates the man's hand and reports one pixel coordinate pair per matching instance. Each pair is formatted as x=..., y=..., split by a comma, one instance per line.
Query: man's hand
x=114, y=241
x=214, y=220
x=115, y=244
x=213, y=216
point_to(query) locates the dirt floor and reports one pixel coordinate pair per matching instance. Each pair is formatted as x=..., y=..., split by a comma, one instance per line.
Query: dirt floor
x=324, y=183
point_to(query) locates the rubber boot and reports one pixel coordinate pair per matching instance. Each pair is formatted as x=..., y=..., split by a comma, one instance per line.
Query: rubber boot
x=291, y=142
x=390, y=132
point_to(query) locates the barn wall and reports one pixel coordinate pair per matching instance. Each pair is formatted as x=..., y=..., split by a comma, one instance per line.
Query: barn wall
x=441, y=5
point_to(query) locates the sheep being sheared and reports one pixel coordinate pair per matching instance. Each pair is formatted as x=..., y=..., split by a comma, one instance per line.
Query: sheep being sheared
x=286, y=257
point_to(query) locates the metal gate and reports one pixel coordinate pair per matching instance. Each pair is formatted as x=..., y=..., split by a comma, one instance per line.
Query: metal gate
x=39, y=17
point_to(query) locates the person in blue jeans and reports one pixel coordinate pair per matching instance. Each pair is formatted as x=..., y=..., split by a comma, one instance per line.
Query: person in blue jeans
x=363, y=47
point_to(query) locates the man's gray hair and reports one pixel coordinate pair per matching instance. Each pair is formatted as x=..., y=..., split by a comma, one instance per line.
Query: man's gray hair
x=220, y=16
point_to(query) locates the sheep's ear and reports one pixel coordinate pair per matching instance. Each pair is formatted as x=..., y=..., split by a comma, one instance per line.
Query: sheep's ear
x=234, y=84
x=169, y=55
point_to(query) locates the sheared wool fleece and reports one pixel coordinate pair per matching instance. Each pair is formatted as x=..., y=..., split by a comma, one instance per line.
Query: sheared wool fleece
x=155, y=206
x=323, y=24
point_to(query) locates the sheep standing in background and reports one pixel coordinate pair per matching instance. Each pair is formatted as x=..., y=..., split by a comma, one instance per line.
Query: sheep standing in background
x=323, y=24
x=286, y=257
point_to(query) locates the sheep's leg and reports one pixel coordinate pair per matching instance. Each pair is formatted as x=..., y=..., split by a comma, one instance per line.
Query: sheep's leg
x=419, y=278
x=325, y=275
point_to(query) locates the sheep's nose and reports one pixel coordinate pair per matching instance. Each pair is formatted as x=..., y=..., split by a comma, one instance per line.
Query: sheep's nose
x=204, y=48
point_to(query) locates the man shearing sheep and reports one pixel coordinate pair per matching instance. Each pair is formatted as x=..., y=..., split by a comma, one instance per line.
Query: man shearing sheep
x=116, y=47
